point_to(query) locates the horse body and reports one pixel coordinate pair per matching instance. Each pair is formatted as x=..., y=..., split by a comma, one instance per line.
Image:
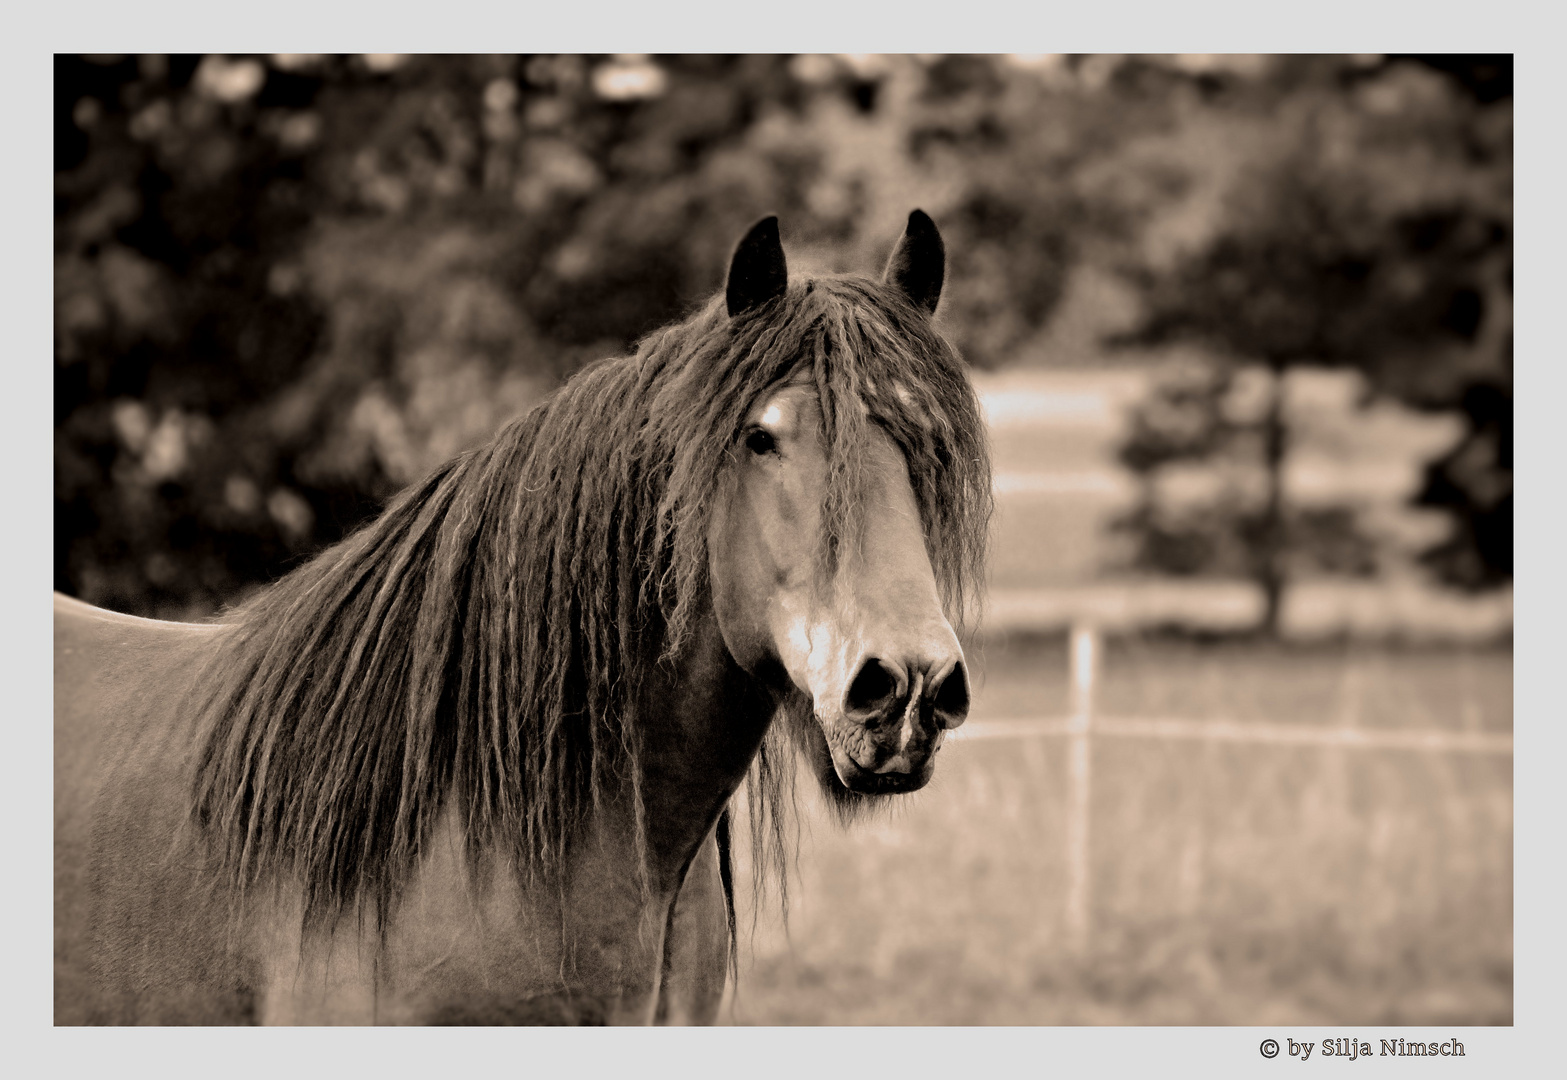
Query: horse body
x=473, y=764
x=146, y=931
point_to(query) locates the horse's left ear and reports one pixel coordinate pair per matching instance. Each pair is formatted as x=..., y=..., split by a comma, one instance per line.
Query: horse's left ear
x=919, y=262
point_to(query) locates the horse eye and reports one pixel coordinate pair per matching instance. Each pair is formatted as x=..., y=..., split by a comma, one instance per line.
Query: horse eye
x=760, y=441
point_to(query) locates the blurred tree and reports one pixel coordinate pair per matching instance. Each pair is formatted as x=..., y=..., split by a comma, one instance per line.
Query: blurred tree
x=1368, y=224
x=285, y=286
x=288, y=285
x=165, y=326
x=1030, y=153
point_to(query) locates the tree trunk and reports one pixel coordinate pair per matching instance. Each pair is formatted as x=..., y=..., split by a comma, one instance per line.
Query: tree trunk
x=1268, y=554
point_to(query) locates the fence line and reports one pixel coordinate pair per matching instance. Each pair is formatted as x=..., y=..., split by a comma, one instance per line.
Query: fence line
x=1082, y=726
x=1085, y=664
x=1022, y=727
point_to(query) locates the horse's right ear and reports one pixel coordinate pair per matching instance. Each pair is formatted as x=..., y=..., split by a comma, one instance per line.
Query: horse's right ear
x=757, y=272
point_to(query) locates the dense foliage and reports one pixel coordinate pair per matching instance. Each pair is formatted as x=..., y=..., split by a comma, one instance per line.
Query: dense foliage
x=285, y=286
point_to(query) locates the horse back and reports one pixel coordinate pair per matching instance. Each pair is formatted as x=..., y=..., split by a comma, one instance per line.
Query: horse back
x=109, y=670
x=117, y=679
x=136, y=938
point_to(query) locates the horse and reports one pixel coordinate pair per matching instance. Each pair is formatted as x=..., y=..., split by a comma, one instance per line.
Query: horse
x=473, y=764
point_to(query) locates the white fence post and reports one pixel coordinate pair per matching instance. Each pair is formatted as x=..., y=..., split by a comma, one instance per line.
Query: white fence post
x=1084, y=662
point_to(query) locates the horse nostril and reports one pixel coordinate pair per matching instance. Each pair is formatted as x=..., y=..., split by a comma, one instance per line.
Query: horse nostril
x=951, y=700
x=872, y=687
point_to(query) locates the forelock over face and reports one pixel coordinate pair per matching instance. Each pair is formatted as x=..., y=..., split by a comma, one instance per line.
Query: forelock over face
x=875, y=362
x=905, y=379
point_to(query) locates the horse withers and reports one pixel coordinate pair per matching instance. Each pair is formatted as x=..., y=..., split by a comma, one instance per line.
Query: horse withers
x=473, y=763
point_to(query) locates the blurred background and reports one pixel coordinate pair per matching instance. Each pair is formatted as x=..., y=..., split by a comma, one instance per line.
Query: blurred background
x=1242, y=327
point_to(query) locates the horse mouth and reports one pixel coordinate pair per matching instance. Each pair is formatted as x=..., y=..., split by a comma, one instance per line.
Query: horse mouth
x=864, y=782
x=913, y=771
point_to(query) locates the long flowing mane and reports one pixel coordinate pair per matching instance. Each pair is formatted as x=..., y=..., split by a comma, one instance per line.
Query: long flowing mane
x=479, y=646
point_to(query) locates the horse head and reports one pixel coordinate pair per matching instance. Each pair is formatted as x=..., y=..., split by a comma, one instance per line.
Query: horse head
x=868, y=642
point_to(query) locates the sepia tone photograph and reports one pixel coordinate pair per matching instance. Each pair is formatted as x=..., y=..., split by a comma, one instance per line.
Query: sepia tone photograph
x=785, y=540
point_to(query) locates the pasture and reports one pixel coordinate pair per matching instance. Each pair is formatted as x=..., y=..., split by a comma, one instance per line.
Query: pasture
x=1232, y=883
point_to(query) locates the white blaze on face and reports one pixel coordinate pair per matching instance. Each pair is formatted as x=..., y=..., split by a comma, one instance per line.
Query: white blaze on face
x=814, y=645
x=827, y=655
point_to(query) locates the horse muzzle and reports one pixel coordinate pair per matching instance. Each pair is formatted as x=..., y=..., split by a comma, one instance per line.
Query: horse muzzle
x=885, y=737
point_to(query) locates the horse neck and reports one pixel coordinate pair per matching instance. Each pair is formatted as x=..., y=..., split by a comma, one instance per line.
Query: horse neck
x=703, y=719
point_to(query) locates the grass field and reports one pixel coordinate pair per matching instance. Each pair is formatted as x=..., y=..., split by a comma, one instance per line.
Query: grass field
x=1231, y=883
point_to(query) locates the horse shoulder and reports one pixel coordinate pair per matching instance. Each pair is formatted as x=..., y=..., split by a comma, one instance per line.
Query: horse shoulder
x=461, y=949
x=469, y=948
